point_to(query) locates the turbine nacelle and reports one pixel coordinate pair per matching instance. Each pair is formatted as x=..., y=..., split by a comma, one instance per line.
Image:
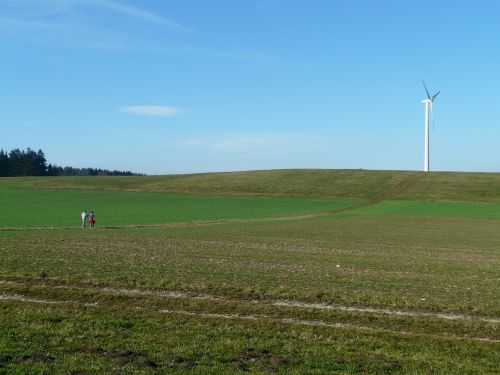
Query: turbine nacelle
x=429, y=97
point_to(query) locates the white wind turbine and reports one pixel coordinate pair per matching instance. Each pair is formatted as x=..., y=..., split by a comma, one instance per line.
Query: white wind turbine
x=428, y=109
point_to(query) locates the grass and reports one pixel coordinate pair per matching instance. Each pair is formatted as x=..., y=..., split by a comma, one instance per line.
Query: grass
x=287, y=260
x=389, y=285
x=58, y=207
x=138, y=341
x=433, y=209
x=343, y=184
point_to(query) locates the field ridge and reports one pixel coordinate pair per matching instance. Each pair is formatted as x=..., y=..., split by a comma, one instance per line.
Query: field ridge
x=313, y=183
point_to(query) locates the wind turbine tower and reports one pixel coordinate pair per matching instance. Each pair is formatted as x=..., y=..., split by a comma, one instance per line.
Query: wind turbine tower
x=428, y=110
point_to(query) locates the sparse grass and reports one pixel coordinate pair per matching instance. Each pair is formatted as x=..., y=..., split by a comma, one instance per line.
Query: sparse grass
x=343, y=184
x=303, y=183
x=394, y=286
x=384, y=262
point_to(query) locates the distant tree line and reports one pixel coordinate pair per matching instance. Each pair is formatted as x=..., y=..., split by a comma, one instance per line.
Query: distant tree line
x=30, y=163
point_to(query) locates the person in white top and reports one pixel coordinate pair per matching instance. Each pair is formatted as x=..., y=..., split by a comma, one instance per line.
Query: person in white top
x=84, y=218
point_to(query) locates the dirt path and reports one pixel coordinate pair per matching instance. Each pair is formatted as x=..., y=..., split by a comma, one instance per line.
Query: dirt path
x=170, y=225
x=270, y=302
x=319, y=323
x=256, y=317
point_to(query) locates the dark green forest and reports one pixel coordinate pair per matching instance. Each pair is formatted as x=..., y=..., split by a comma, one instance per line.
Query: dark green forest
x=33, y=163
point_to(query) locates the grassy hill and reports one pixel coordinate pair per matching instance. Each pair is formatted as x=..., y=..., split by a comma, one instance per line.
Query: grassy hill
x=286, y=271
x=344, y=184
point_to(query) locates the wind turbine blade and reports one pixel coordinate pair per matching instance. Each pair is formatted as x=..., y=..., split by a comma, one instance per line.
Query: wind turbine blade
x=434, y=97
x=427, y=91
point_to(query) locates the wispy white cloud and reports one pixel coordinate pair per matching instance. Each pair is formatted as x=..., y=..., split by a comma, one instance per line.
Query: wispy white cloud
x=262, y=142
x=251, y=143
x=152, y=110
x=11, y=24
x=246, y=143
x=138, y=13
x=186, y=143
x=191, y=142
x=34, y=11
x=82, y=22
x=84, y=25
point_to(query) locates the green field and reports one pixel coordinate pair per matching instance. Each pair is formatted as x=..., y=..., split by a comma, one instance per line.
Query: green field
x=290, y=272
x=62, y=207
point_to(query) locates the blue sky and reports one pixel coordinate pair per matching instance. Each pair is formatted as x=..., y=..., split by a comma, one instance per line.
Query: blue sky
x=180, y=86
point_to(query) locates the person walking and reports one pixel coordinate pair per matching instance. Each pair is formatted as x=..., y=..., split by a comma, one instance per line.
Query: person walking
x=84, y=218
x=92, y=219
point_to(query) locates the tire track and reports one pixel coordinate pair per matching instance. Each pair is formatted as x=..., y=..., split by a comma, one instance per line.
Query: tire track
x=319, y=323
x=260, y=317
x=271, y=302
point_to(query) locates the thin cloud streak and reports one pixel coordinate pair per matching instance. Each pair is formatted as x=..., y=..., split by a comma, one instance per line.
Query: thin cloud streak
x=82, y=30
x=61, y=8
x=250, y=143
x=256, y=143
x=140, y=14
x=9, y=24
x=151, y=110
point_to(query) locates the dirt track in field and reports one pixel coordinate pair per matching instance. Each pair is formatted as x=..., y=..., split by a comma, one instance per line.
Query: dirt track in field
x=259, y=317
x=173, y=225
x=171, y=294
